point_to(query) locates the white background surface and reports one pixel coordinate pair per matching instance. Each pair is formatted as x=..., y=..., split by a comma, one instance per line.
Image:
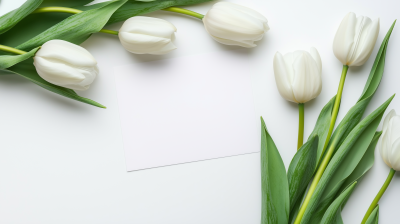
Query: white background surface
x=63, y=162
x=176, y=111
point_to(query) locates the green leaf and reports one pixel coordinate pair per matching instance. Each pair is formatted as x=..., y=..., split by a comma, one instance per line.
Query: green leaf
x=301, y=169
x=332, y=215
x=340, y=182
x=10, y=19
x=65, y=3
x=356, y=112
x=27, y=70
x=34, y=24
x=348, y=123
x=275, y=189
x=365, y=164
x=76, y=28
x=134, y=8
x=321, y=128
x=355, y=139
x=10, y=60
x=374, y=217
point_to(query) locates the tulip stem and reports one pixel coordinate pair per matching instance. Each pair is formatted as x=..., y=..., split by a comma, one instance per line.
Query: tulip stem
x=329, y=154
x=379, y=195
x=184, y=11
x=69, y=10
x=301, y=126
x=11, y=50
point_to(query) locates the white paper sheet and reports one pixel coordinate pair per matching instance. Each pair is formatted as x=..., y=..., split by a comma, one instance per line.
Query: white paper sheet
x=186, y=109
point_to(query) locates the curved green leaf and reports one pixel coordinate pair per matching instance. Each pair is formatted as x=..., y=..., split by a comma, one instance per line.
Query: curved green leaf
x=332, y=215
x=356, y=112
x=364, y=165
x=361, y=132
x=374, y=217
x=274, y=185
x=65, y=3
x=321, y=127
x=76, y=28
x=27, y=70
x=10, y=60
x=10, y=19
x=301, y=169
x=336, y=187
x=34, y=24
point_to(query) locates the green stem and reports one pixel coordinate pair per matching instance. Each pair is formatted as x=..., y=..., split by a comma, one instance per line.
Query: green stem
x=184, y=11
x=69, y=10
x=330, y=151
x=301, y=126
x=11, y=50
x=379, y=195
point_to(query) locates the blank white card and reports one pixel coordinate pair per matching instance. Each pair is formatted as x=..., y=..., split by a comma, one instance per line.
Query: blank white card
x=186, y=109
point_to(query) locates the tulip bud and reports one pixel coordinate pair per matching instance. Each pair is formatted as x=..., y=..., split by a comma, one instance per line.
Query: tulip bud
x=298, y=75
x=233, y=24
x=355, y=39
x=65, y=64
x=147, y=35
x=389, y=143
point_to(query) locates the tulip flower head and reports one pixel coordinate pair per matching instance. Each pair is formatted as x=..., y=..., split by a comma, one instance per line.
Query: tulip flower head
x=355, y=39
x=233, y=24
x=389, y=143
x=298, y=75
x=147, y=35
x=65, y=64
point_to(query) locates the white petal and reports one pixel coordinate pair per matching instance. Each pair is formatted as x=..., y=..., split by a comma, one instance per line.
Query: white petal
x=383, y=150
x=147, y=35
x=315, y=55
x=394, y=158
x=282, y=77
x=307, y=79
x=66, y=52
x=344, y=38
x=233, y=24
x=366, y=42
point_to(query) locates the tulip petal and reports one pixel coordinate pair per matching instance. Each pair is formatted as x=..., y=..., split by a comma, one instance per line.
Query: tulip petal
x=147, y=35
x=66, y=52
x=317, y=58
x=366, y=41
x=307, y=79
x=394, y=158
x=233, y=24
x=344, y=38
x=283, y=77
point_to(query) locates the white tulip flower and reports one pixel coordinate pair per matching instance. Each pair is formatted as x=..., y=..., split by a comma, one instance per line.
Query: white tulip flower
x=65, y=64
x=147, y=35
x=389, y=143
x=233, y=24
x=298, y=75
x=355, y=39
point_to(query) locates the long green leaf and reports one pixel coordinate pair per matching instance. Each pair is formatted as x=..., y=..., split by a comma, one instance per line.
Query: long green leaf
x=335, y=186
x=348, y=123
x=76, y=28
x=356, y=112
x=332, y=215
x=34, y=24
x=275, y=189
x=134, y=8
x=321, y=127
x=10, y=19
x=27, y=70
x=363, y=130
x=301, y=169
x=374, y=217
x=10, y=60
x=65, y=3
